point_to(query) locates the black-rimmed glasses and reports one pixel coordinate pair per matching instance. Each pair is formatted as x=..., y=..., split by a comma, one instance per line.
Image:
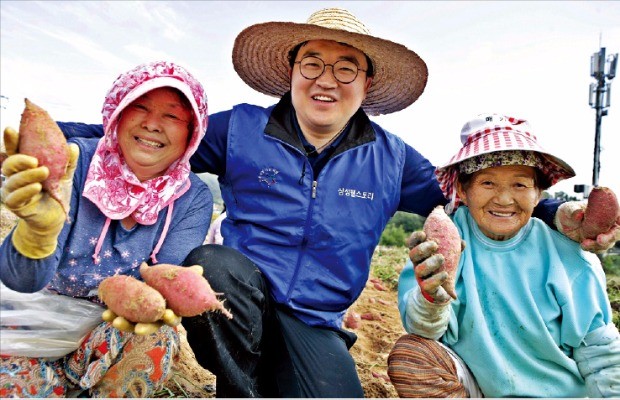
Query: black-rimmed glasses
x=344, y=71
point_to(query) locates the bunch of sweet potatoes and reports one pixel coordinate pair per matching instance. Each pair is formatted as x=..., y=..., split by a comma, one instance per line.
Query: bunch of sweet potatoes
x=167, y=293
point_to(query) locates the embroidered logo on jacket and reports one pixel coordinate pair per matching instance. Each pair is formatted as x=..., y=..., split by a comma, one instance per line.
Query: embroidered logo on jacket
x=356, y=193
x=268, y=176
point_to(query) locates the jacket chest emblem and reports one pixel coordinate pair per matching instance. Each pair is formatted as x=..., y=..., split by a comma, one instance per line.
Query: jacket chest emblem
x=268, y=176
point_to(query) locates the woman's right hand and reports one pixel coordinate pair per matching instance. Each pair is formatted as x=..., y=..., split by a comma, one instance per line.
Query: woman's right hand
x=426, y=265
x=41, y=216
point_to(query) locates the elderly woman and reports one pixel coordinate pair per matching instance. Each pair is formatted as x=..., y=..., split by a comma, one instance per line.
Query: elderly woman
x=132, y=199
x=531, y=317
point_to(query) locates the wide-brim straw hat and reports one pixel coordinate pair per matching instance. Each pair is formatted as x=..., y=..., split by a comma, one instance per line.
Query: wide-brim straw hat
x=260, y=57
x=490, y=133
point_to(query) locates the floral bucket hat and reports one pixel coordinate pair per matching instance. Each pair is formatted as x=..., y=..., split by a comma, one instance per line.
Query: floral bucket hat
x=491, y=140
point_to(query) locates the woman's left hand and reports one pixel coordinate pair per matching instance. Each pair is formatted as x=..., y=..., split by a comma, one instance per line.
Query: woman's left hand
x=569, y=219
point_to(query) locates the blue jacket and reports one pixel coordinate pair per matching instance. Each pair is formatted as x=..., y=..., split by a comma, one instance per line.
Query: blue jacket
x=313, y=236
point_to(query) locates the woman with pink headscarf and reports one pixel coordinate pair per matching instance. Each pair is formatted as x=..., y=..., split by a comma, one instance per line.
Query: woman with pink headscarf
x=133, y=200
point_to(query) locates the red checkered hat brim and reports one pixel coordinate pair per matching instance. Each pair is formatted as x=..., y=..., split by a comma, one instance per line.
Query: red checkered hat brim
x=499, y=138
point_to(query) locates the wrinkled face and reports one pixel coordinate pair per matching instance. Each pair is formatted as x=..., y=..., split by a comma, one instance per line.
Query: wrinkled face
x=501, y=199
x=324, y=105
x=153, y=132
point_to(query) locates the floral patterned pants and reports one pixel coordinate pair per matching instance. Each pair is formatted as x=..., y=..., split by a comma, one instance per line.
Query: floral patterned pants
x=108, y=363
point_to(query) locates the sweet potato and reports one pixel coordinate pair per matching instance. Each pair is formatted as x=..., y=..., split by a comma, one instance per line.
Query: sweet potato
x=601, y=213
x=132, y=299
x=186, y=291
x=352, y=320
x=440, y=229
x=40, y=137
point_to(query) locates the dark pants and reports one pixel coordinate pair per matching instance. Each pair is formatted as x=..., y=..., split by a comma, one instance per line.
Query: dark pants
x=264, y=351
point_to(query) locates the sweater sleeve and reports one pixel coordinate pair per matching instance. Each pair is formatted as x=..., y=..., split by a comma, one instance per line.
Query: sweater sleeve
x=79, y=129
x=598, y=360
x=26, y=275
x=23, y=274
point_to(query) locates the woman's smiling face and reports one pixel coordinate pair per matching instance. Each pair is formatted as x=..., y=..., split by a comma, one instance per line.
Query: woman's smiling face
x=501, y=199
x=154, y=131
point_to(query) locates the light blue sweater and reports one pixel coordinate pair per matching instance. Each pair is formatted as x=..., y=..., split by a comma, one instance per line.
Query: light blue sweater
x=532, y=318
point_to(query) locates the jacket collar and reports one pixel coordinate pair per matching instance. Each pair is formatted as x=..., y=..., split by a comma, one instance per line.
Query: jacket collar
x=282, y=127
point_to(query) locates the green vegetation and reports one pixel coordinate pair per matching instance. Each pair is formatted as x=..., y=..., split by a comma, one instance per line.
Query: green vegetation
x=387, y=262
x=399, y=227
x=611, y=266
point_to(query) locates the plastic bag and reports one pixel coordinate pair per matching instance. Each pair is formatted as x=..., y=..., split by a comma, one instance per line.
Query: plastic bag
x=44, y=324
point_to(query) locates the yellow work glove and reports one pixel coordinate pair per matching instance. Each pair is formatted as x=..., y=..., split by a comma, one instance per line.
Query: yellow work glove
x=41, y=217
x=141, y=328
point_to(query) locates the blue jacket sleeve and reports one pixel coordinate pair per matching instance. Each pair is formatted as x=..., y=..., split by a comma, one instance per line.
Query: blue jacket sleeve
x=211, y=154
x=546, y=209
x=420, y=191
x=79, y=129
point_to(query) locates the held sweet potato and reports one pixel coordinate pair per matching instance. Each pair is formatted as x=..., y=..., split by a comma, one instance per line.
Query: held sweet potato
x=186, y=291
x=132, y=299
x=440, y=229
x=601, y=213
x=40, y=137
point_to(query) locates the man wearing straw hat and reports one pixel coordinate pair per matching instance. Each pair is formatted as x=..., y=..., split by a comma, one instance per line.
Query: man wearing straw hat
x=309, y=185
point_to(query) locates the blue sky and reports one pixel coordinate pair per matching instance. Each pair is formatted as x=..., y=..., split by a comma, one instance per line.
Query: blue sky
x=527, y=59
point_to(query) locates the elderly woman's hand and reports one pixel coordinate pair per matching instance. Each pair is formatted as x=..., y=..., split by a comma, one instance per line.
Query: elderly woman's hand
x=569, y=219
x=426, y=265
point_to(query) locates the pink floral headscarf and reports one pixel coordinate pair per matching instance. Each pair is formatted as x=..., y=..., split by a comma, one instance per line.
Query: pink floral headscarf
x=110, y=183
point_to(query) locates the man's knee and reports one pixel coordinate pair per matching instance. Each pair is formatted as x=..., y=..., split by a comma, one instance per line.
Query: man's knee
x=222, y=264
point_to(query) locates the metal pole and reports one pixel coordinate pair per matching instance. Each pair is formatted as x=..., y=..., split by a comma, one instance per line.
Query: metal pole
x=597, y=137
x=600, y=89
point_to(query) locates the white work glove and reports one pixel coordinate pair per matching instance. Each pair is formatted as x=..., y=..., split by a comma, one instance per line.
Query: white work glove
x=568, y=219
x=426, y=265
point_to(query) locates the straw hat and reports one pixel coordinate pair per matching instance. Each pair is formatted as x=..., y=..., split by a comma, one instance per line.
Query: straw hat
x=491, y=133
x=260, y=58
